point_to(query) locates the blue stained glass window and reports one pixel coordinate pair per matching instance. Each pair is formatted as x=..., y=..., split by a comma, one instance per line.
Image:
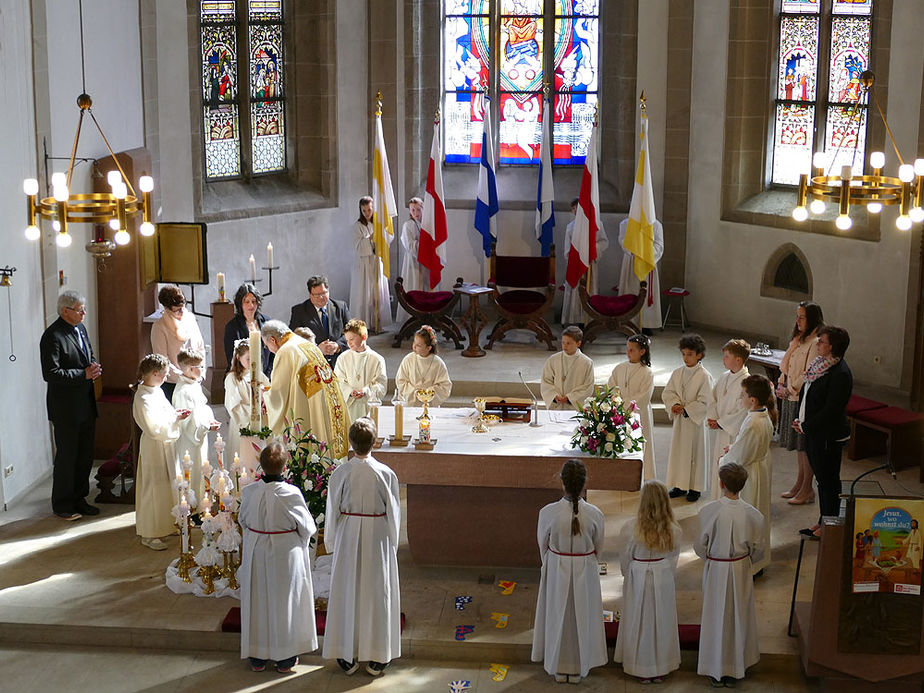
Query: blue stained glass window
x=267, y=97
x=220, y=94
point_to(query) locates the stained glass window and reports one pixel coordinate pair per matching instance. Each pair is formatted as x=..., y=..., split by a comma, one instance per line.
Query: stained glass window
x=528, y=56
x=257, y=122
x=826, y=105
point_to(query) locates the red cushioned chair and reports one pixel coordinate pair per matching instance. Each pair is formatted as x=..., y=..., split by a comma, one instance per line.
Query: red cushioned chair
x=121, y=465
x=611, y=313
x=527, y=294
x=901, y=431
x=427, y=308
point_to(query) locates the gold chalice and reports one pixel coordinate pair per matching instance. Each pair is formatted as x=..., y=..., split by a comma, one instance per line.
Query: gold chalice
x=426, y=396
x=480, y=404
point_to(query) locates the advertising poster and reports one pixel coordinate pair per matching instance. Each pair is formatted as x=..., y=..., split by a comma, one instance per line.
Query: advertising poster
x=886, y=545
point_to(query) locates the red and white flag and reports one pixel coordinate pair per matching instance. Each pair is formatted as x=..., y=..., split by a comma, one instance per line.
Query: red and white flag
x=431, y=249
x=587, y=223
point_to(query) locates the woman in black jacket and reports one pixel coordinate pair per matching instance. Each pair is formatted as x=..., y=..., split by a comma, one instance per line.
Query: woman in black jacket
x=823, y=417
x=247, y=318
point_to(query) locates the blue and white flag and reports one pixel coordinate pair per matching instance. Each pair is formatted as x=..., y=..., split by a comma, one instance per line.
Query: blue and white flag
x=545, y=195
x=486, y=206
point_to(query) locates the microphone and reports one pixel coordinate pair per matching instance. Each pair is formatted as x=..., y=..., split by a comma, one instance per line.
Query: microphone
x=535, y=417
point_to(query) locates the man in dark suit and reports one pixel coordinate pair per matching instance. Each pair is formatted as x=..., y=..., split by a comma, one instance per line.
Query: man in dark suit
x=69, y=368
x=323, y=316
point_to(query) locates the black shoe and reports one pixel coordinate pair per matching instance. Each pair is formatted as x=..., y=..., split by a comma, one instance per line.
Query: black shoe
x=729, y=681
x=692, y=496
x=196, y=520
x=759, y=573
x=70, y=517
x=349, y=668
x=376, y=668
x=85, y=508
x=809, y=532
x=716, y=683
x=676, y=492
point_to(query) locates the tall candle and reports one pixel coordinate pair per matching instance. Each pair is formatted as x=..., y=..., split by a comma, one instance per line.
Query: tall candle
x=269, y=254
x=253, y=269
x=256, y=392
x=374, y=415
x=399, y=420
x=221, y=285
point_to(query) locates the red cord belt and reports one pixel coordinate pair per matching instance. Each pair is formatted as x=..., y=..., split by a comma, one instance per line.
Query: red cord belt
x=363, y=514
x=647, y=560
x=282, y=531
x=728, y=560
x=589, y=553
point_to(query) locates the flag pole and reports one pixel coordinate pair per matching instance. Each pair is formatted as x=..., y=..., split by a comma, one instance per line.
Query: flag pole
x=375, y=293
x=594, y=154
x=642, y=101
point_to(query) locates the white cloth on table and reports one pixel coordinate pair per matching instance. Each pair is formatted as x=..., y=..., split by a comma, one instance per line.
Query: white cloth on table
x=728, y=642
x=692, y=388
x=419, y=373
x=368, y=286
x=194, y=429
x=363, y=371
x=571, y=310
x=361, y=531
x=725, y=407
x=648, y=642
x=277, y=599
x=635, y=381
x=569, y=376
x=629, y=284
x=568, y=634
x=158, y=466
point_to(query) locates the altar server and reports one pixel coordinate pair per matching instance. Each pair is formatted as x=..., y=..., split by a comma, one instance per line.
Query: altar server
x=423, y=369
x=416, y=277
x=726, y=410
x=361, y=531
x=648, y=643
x=572, y=312
x=751, y=450
x=370, y=298
x=237, y=395
x=360, y=371
x=730, y=537
x=568, y=376
x=194, y=430
x=277, y=597
x=635, y=382
x=685, y=397
x=568, y=636
x=157, y=458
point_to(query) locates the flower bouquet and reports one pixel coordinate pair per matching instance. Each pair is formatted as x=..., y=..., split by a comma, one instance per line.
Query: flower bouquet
x=607, y=426
x=309, y=469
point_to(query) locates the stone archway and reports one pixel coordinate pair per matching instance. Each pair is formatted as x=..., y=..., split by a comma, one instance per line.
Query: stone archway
x=787, y=275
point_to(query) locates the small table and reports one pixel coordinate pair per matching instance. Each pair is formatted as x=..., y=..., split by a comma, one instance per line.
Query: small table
x=474, y=320
x=770, y=362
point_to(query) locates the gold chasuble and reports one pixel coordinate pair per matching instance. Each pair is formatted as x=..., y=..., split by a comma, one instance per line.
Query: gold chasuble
x=304, y=387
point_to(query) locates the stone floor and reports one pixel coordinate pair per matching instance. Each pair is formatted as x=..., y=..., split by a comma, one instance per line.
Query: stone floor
x=73, y=594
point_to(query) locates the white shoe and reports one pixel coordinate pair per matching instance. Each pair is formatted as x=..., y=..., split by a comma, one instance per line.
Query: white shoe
x=561, y=678
x=572, y=678
x=153, y=544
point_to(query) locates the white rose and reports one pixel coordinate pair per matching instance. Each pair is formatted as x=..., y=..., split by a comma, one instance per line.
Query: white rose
x=608, y=447
x=314, y=459
x=611, y=437
x=605, y=407
x=319, y=519
x=600, y=428
x=309, y=485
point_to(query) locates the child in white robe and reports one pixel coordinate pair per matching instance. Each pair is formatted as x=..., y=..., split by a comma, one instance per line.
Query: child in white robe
x=725, y=411
x=277, y=596
x=158, y=465
x=195, y=428
x=416, y=277
x=237, y=398
x=360, y=371
x=361, y=531
x=648, y=642
x=572, y=312
x=635, y=382
x=370, y=299
x=423, y=369
x=568, y=376
x=568, y=635
x=686, y=396
x=751, y=450
x=730, y=537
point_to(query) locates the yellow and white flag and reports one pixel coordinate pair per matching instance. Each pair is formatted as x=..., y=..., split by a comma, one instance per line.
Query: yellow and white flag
x=383, y=199
x=640, y=228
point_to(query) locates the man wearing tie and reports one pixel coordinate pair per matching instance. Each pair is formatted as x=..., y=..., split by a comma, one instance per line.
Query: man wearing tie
x=69, y=368
x=323, y=316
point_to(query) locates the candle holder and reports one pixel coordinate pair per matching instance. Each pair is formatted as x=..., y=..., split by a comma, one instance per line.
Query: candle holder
x=229, y=570
x=184, y=565
x=401, y=442
x=208, y=573
x=269, y=271
x=480, y=404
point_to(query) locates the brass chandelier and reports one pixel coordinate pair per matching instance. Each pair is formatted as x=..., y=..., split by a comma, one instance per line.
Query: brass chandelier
x=872, y=191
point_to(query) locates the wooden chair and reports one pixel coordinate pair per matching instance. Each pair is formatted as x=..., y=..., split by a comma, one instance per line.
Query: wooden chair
x=529, y=289
x=432, y=308
x=123, y=466
x=611, y=313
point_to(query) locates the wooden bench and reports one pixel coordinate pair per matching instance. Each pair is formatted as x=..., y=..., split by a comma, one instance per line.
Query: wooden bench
x=892, y=431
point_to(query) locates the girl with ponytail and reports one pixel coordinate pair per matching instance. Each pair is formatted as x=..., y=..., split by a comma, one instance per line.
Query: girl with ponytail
x=568, y=633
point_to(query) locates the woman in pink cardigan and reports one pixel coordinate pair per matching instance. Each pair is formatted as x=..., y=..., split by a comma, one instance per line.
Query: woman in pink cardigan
x=176, y=329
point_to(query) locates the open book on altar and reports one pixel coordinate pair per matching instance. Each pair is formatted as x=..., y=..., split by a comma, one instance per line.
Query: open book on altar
x=509, y=408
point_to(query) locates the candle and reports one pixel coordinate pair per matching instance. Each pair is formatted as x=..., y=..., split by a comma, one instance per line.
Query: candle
x=424, y=433
x=374, y=415
x=269, y=254
x=399, y=420
x=256, y=367
x=184, y=526
x=236, y=464
x=206, y=473
x=221, y=286
x=253, y=269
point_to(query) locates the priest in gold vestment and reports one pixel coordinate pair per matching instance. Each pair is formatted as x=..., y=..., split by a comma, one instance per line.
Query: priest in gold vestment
x=304, y=387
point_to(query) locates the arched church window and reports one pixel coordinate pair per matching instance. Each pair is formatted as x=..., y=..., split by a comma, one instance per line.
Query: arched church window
x=243, y=94
x=538, y=42
x=824, y=46
x=787, y=275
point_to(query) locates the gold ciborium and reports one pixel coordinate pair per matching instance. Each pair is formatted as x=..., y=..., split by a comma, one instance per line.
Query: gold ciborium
x=480, y=404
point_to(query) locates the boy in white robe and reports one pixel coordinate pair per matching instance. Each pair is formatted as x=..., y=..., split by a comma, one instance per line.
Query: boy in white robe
x=194, y=430
x=416, y=277
x=360, y=371
x=568, y=634
x=634, y=381
x=277, y=596
x=571, y=310
x=726, y=411
x=568, y=376
x=361, y=531
x=422, y=369
x=158, y=465
x=730, y=537
x=751, y=450
x=686, y=397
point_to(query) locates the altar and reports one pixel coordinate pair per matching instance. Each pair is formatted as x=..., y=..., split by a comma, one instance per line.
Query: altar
x=475, y=498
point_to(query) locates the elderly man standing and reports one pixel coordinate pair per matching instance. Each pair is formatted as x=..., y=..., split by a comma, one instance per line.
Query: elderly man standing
x=69, y=368
x=304, y=387
x=323, y=316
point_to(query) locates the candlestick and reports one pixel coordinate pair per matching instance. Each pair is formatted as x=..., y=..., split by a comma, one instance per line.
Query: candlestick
x=253, y=268
x=269, y=254
x=221, y=285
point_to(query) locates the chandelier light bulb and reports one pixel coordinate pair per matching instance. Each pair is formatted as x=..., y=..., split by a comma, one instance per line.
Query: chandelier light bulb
x=919, y=167
x=903, y=223
x=843, y=222
x=818, y=160
x=874, y=207
x=146, y=183
x=114, y=224
x=57, y=179
x=120, y=190
x=817, y=207
x=56, y=225
x=30, y=186
x=906, y=173
x=63, y=240
x=877, y=159
x=113, y=178
x=800, y=213
x=916, y=214
x=121, y=237
x=32, y=232
x=60, y=193
x=146, y=229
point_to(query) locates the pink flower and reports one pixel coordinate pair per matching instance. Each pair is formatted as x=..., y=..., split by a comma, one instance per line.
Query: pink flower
x=633, y=406
x=635, y=425
x=619, y=419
